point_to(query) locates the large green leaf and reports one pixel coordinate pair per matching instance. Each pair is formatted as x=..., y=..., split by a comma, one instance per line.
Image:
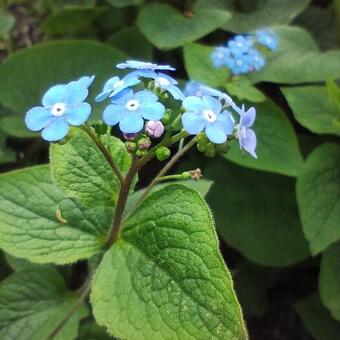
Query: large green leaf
x=30, y=227
x=124, y=3
x=132, y=42
x=329, y=279
x=318, y=194
x=6, y=155
x=248, y=15
x=199, y=67
x=49, y=64
x=33, y=302
x=167, y=28
x=277, y=149
x=317, y=319
x=313, y=109
x=256, y=213
x=164, y=278
x=71, y=20
x=81, y=171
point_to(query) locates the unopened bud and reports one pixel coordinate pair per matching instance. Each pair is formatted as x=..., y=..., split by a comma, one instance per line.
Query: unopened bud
x=154, y=128
x=130, y=136
x=210, y=151
x=167, y=116
x=144, y=143
x=163, y=153
x=141, y=153
x=131, y=146
x=222, y=149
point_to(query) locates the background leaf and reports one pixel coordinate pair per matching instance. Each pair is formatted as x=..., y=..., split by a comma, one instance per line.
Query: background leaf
x=164, y=277
x=318, y=194
x=313, y=109
x=37, y=297
x=167, y=28
x=256, y=213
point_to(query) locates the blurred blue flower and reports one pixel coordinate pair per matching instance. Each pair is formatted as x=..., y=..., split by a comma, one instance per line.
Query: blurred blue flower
x=63, y=105
x=219, y=56
x=267, y=38
x=193, y=88
x=240, y=65
x=256, y=60
x=141, y=65
x=116, y=87
x=206, y=114
x=240, y=44
x=130, y=109
x=246, y=136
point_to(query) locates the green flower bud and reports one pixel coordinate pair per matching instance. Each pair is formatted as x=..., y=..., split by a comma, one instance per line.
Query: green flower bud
x=222, y=149
x=201, y=147
x=141, y=153
x=144, y=143
x=162, y=153
x=131, y=147
x=210, y=151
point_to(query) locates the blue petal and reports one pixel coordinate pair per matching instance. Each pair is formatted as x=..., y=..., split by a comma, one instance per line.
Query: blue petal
x=123, y=97
x=193, y=123
x=119, y=93
x=79, y=114
x=212, y=103
x=153, y=111
x=131, y=81
x=108, y=86
x=176, y=92
x=226, y=122
x=168, y=78
x=86, y=81
x=249, y=143
x=74, y=93
x=53, y=95
x=193, y=104
x=102, y=96
x=37, y=118
x=131, y=122
x=113, y=114
x=215, y=132
x=248, y=118
x=145, y=96
x=56, y=130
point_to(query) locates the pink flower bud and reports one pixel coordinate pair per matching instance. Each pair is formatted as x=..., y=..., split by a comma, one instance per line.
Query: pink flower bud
x=154, y=128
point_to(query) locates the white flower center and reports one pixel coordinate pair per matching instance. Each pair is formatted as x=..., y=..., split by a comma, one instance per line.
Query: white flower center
x=239, y=44
x=119, y=83
x=58, y=109
x=162, y=81
x=239, y=62
x=132, y=105
x=209, y=115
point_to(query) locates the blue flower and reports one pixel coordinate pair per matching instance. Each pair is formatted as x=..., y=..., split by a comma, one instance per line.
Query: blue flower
x=116, y=87
x=141, y=65
x=256, y=60
x=219, y=56
x=246, y=136
x=63, y=105
x=267, y=38
x=193, y=88
x=206, y=90
x=130, y=109
x=206, y=114
x=240, y=44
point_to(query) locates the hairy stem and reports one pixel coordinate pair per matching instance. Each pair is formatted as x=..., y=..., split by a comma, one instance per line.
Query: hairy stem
x=121, y=202
x=85, y=291
x=164, y=170
x=104, y=151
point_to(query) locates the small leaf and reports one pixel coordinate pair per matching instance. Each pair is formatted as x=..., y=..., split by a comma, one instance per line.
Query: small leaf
x=318, y=194
x=29, y=225
x=313, y=109
x=317, y=319
x=7, y=21
x=329, y=280
x=33, y=302
x=257, y=214
x=199, y=67
x=277, y=145
x=132, y=42
x=164, y=277
x=167, y=28
x=81, y=171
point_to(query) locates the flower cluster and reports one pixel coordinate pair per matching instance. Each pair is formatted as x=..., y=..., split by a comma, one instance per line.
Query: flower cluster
x=137, y=105
x=242, y=53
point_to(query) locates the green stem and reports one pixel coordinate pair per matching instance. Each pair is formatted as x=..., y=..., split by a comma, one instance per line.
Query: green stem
x=104, y=151
x=183, y=176
x=121, y=202
x=84, y=292
x=164, y=170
